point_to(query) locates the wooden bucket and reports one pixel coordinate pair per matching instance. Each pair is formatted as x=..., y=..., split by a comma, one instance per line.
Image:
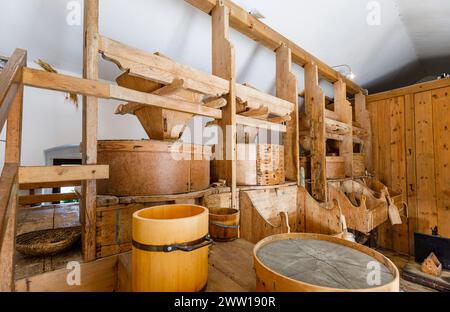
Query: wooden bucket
x=151, y=167
x=223, y=224
x=322, y=261
x=170, y=252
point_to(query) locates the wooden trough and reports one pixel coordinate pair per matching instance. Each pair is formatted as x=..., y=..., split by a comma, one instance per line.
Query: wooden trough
x=363, y=208
x=150, y=167
x=321, y=263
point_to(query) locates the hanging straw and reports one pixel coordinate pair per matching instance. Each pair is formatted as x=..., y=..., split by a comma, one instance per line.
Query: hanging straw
x=72, y=97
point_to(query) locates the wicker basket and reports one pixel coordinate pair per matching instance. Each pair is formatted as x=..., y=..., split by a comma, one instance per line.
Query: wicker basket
x=47, y=242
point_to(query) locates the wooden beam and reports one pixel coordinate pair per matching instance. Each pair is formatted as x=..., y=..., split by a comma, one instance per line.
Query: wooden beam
x=165, y=71
x=315, y=106
x=57, y=82
x=46, y=198
x=10, y=83
x=343, y=109
x=260, y=124
x=163, y=102
x=286, y=88
x=8, y=247
x=43, y=185
x=7, y=179
x=362, y=116
x=253, y=28
x=88, y=207
x=223, y=66
x=416, y=88
x=14, y=129
x=62, y=173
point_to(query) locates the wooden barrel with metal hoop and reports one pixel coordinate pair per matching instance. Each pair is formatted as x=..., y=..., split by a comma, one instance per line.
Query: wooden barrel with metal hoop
x=223, y=224
x=321, y=263
x=170, y=249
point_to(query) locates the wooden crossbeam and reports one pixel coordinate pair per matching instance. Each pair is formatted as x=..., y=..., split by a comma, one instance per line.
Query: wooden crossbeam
x=258, y=123
x=45, y=198
x=42, y=185
x=62, y=173
x=253, y=28
x=165, y=71
x=58, y=82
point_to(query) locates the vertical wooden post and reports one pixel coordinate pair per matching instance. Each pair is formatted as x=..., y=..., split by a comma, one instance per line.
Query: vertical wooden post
x=223, y=65
x=12, y=156
x=362, y=116
x=286, y=89
x=343, y=109
x=90, y=124
x=315, y=108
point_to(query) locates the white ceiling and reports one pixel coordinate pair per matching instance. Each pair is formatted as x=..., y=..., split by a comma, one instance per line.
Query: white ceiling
x=412, y=41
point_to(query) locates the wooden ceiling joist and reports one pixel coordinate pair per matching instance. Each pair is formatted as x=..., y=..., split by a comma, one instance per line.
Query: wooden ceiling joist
x=253, y=28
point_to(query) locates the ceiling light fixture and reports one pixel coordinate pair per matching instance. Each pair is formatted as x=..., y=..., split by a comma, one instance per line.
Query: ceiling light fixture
x=347, y=73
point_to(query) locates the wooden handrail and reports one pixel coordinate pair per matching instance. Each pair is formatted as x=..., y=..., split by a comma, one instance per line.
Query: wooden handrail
x=10, y=79
x=7, y=181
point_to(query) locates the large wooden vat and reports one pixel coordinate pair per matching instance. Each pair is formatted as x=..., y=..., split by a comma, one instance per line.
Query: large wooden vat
x=320, y=263
x=170, y=250
x=151, y=167
x=223, y=224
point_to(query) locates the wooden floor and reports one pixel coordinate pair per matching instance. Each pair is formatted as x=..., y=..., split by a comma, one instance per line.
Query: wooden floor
x=230, y=264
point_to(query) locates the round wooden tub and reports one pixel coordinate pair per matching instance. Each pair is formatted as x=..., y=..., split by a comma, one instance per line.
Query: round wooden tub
x=223, y=224
x=321, y=263
x=151, y=167
x=170, y=252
